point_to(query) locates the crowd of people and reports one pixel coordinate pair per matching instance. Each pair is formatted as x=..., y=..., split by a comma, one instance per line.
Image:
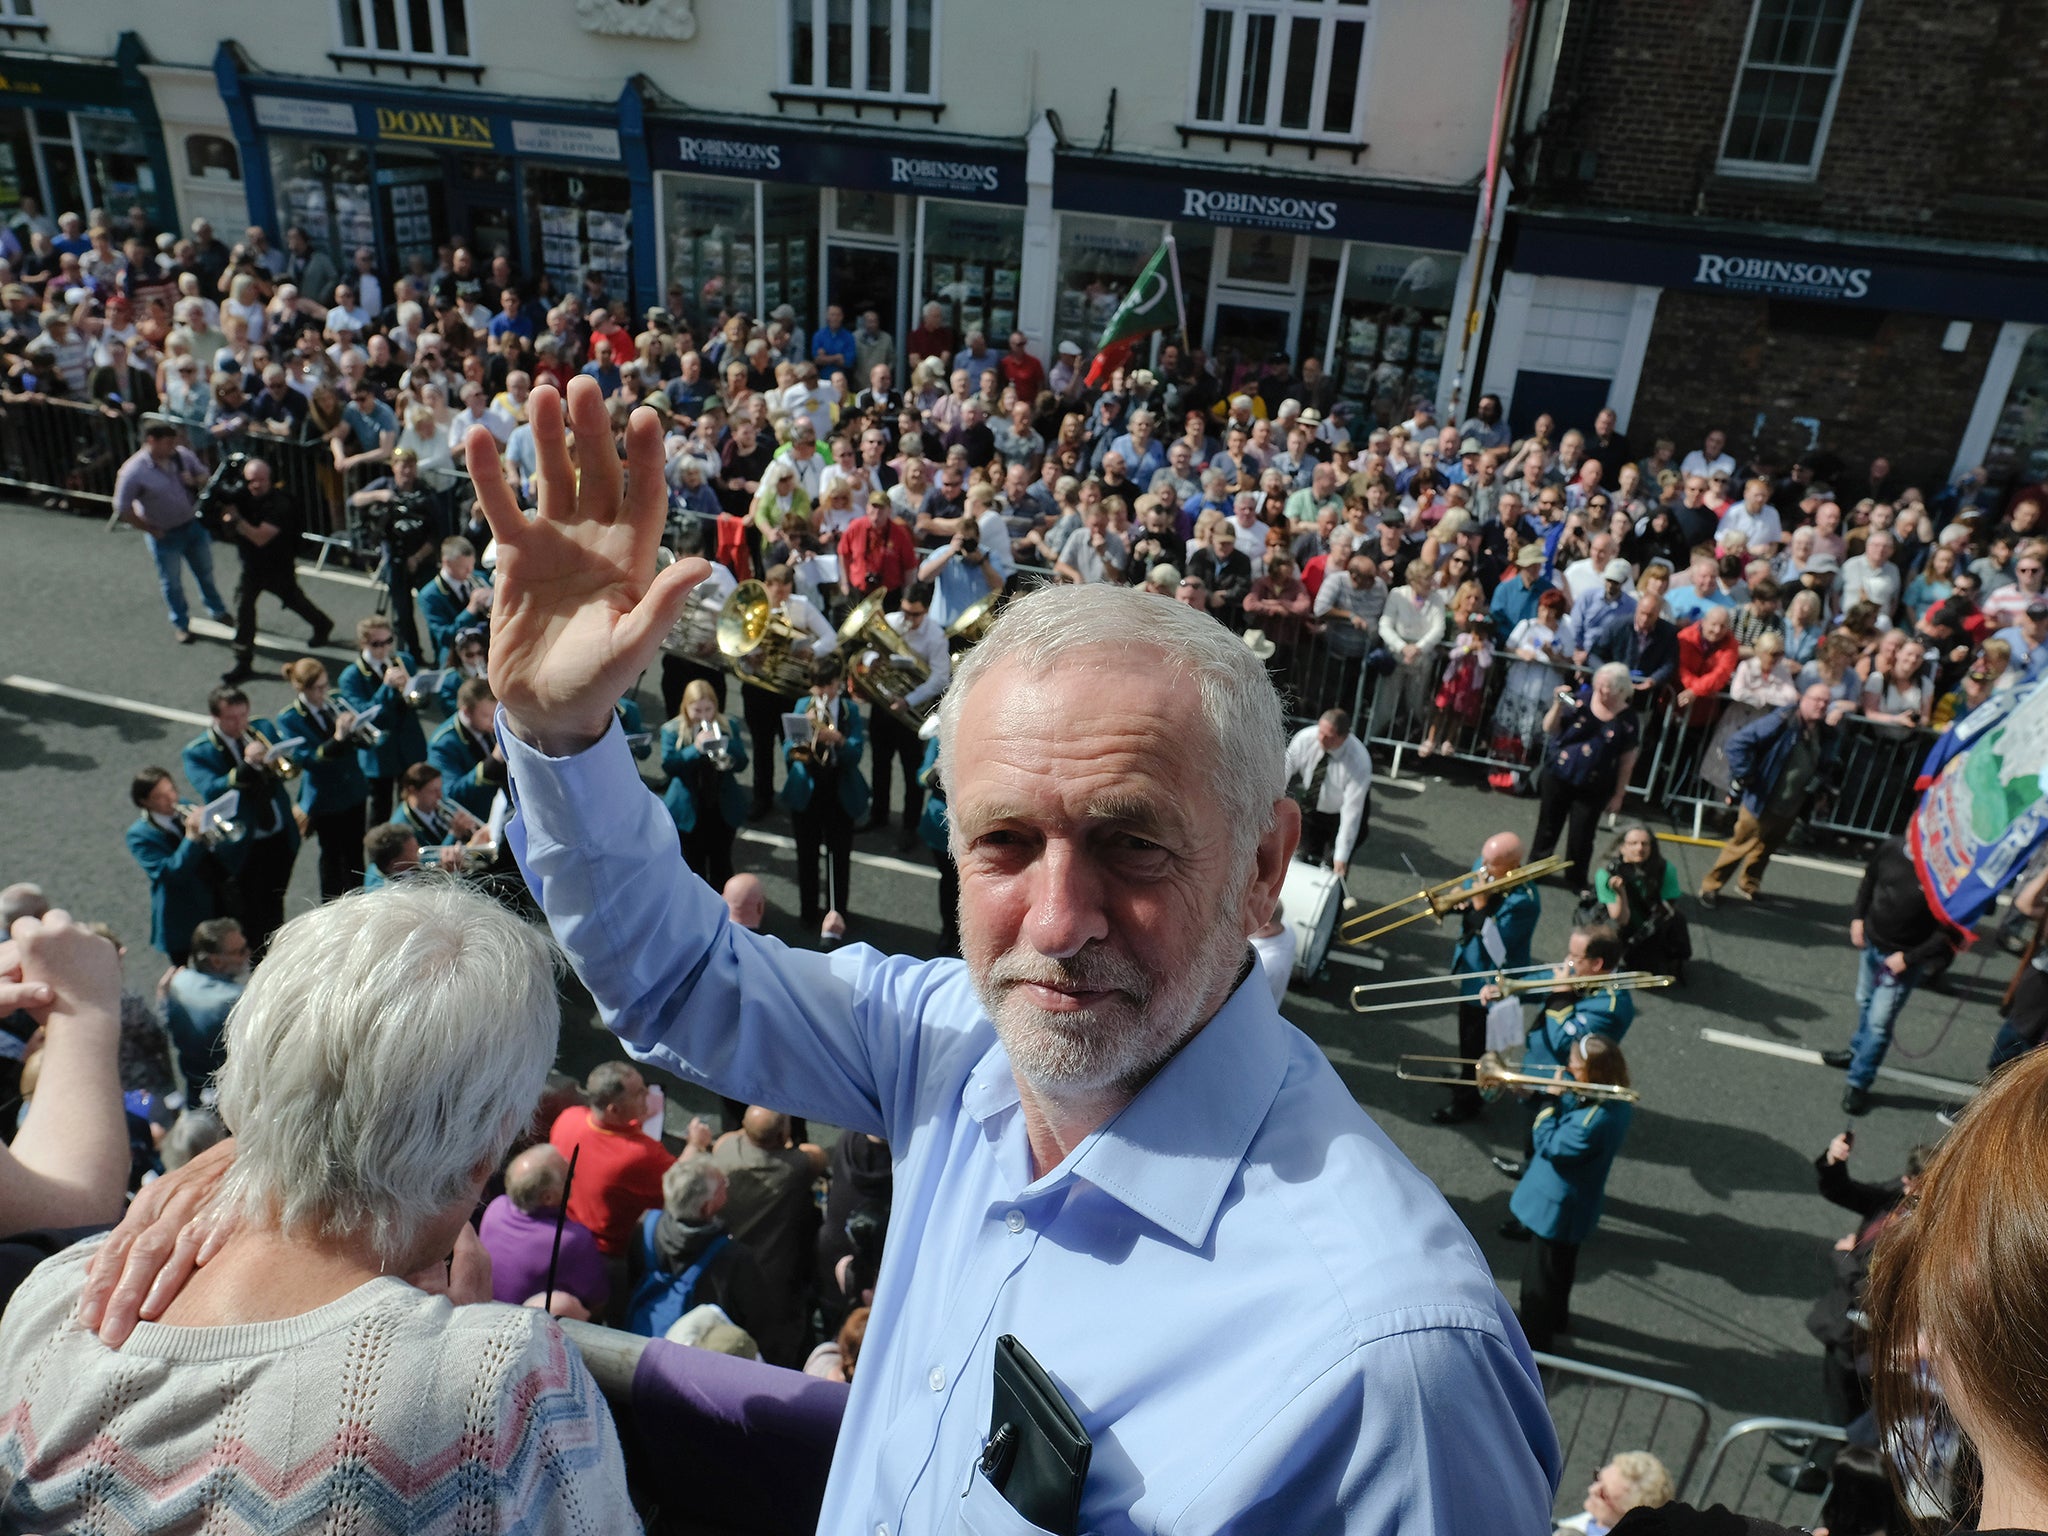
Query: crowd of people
x=1553, y=603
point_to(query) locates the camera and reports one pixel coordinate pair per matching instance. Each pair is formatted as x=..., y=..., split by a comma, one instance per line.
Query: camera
x=217, y=497
x=970, y=541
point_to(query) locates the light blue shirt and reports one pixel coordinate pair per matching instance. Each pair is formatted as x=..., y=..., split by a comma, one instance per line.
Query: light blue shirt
x=1265, y=1317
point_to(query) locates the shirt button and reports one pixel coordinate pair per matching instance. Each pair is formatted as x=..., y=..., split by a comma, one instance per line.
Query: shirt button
x=1014, y=1221
x=937, y=1380
x=882, y=1530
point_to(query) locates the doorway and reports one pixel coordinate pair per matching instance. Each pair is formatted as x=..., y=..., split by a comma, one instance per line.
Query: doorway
x=1243, y=336
x=860, y=278
x=482, y=199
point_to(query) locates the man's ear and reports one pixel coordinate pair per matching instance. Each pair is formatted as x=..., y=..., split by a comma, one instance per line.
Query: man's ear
x=1269, y=864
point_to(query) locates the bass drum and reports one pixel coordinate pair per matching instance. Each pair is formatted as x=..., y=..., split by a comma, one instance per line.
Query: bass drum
x=1311, y=901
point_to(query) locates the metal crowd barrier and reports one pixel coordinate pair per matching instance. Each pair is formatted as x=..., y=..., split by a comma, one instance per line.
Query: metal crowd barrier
x=1680, y=768
x=1599, y=1413
x=1735, y=1472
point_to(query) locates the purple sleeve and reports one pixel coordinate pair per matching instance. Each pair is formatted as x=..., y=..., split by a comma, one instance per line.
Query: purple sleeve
x=583, y=1273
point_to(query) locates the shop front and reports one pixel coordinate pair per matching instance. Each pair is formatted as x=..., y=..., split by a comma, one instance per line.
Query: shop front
x=1359, y=275
x=756, y=216
x=1926, y=354
x=78, y=134
x=550, y=184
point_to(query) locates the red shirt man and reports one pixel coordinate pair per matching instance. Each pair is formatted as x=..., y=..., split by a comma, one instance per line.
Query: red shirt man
x=618, y=1165
x=1020, y=368
x=876, y=550
x=1707, y=656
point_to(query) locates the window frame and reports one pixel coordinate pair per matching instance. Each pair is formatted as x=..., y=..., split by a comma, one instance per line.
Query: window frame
x=857, y=63
x=1770, y=170
x=368, y=52
x=1329, y=14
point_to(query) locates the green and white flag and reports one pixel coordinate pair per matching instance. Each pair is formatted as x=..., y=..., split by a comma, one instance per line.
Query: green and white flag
x=1152, y=303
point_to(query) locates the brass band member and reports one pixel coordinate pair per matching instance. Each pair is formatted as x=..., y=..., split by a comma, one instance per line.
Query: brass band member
x=1569, y=1017
x=1495, y=933
x=442, y=826
x=763, y=708
x=188, y=875
x=332, y=789
x=466, y=749
x=825, y=794
x=233, y=754
x=893, y=731
x=377, y=679
x=702, y=752
x=1557, y=1204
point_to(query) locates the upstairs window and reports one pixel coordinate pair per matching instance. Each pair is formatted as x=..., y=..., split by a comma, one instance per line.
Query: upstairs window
x=1284, y=68
x=879, y=50
x=1785, y=92
x=405, y=30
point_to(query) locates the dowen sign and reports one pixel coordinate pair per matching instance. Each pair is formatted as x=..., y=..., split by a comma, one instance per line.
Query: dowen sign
x=944, y=175
x=745, y=156
x=1258, y=208
x=1784, y=279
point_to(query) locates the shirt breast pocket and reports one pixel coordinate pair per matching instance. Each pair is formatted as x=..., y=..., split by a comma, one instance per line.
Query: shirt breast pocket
x=985, y=1512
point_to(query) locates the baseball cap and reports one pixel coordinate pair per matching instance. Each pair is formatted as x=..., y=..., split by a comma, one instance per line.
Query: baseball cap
x=1528, y=555
x=1470, y=445
x=1822, y=565
x=660, y=319
x=1070, y=349
x=1616, y=570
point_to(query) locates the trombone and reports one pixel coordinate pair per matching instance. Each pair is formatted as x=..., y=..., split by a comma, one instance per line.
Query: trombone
x=1446, y=896
x=1512, y=982
x=1491, y=1073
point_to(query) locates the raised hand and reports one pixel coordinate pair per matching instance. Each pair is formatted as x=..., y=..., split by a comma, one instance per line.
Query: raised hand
x=581, y=608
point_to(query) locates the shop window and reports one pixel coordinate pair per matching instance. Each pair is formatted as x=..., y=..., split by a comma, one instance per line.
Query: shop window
x=580, y=221
x=1098, y=259
x=2018, y=452
x=708, y=242
x=405, y=29
x=861, y=49
x=1392, y=321
x=972, y=259
x=1785, y=91
x=324, y=189
x=209, y=157
x=17, y=10
x=1294, y=69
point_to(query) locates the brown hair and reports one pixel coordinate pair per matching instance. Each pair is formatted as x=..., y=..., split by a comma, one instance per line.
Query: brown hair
x=852, y=1333
x=1604, y=1061
x=1954, y=1281
x=304, y=673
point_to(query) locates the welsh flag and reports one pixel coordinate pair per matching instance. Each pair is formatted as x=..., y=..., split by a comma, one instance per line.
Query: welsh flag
x=1152, y=303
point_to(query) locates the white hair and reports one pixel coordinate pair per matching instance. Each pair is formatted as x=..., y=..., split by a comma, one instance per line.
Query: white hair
x=1248, y=734
x=690, y=1184
x=391, y=1045
x=1615, y=678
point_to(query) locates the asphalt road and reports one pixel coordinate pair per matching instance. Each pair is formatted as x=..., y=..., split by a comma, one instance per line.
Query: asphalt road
x=1713, y=1243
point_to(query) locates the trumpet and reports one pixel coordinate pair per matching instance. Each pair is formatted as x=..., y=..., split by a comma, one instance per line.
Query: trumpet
x=717, y=748
x=424, y=688
x=1512, y=983
x=216, y=831
x=1446, y=896
x=283, y=765
x=367, y=733
x=1493, y=1074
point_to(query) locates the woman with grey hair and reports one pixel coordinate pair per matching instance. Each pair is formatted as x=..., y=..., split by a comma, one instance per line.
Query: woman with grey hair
x=1590, y=752
x=378, y=1068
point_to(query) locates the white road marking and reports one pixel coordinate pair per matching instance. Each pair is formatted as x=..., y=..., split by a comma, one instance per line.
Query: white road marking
x=346, y=578
x=1812, y=1058
x=1363, y=962
x=107, y=700
x=213, y=631
x=872, y=860
x=1406, y=786
x=1825, y=866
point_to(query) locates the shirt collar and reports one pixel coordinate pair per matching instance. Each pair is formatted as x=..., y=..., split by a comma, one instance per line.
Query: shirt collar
x=1173, y=1153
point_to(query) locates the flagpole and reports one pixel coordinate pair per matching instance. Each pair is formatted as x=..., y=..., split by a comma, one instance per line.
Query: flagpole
x=1180, y=301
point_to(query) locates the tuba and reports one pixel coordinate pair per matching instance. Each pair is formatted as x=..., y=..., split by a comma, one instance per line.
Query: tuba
x=759, y=644
x=881, y=667
x=972, y=627
x=695, y=634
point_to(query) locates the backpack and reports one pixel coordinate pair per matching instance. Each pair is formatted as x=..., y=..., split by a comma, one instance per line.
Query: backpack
x=661, y=1298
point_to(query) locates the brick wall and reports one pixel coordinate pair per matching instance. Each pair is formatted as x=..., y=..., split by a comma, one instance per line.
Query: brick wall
x=1937, y=129
x=1716, y=361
